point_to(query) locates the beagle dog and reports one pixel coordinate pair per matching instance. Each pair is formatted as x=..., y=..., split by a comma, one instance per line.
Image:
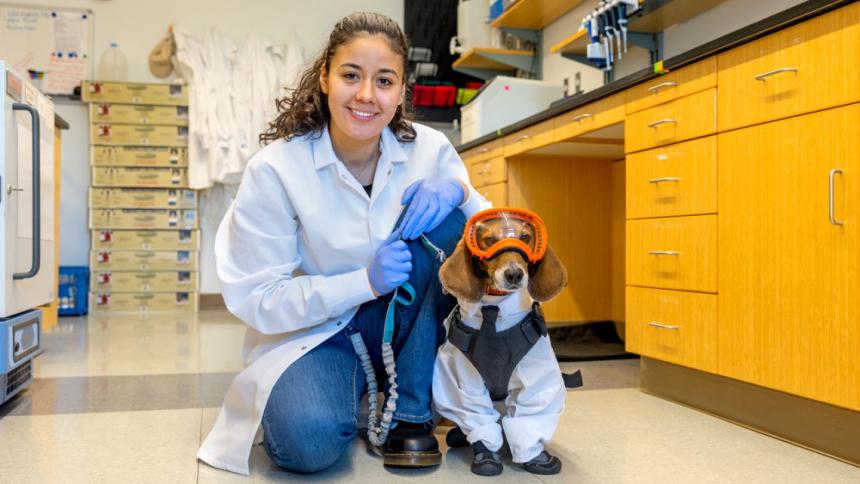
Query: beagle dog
x=497, y=348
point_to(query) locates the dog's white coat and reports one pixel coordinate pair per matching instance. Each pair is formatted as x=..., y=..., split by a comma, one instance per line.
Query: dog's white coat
x=536, y=392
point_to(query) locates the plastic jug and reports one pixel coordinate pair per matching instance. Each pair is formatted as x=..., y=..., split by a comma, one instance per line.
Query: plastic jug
x=113, y=65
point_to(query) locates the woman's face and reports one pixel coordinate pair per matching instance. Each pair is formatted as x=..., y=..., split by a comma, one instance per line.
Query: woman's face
x=364, y=87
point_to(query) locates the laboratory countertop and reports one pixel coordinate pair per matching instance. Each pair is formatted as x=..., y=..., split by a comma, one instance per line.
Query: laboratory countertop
x=781, y=20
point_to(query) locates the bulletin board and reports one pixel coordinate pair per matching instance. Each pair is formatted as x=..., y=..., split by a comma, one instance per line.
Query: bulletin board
x=52, y=44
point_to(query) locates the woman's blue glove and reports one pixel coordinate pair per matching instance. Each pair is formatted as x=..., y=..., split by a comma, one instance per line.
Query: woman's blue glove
x=430, y=201
x=391, y=265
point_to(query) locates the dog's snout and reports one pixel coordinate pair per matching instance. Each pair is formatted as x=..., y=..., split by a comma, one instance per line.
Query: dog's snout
x=513, y=275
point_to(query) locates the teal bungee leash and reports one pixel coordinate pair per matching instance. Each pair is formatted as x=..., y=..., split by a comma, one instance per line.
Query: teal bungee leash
x=377, y=432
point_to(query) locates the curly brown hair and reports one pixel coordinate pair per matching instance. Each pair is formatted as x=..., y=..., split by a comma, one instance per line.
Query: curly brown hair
x=305, y=110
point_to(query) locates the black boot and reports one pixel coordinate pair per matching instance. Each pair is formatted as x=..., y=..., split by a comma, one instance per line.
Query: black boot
x=456, y=438
x=486, y=462
x=544, y=464
x=411, y=445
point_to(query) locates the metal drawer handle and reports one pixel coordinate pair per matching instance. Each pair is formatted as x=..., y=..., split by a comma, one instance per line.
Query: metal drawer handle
x=663, y=121
x=664, y=252
x=657, y=324
x=763, y=77
x=483, y=150
x=664, y=179
x=657, y=88
x=523, y=137
x=832, y=210
x=582, y=116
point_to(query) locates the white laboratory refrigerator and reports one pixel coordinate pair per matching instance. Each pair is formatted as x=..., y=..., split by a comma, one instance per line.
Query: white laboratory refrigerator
x=27, y=228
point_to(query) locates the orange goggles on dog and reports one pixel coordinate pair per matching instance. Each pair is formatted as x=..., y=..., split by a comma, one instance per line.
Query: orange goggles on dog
x=490, y=232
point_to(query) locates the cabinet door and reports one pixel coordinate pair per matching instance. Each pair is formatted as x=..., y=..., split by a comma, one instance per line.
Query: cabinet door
x=788, y=276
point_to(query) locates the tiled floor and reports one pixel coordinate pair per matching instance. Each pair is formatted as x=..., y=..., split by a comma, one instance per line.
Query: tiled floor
x=128, y=399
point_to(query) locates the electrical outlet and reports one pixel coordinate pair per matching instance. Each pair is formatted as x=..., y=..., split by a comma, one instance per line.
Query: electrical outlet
x=566, y=86
x=577, y=82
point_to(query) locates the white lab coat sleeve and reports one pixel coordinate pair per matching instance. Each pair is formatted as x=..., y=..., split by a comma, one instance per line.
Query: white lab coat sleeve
x=451, y=165
x=256, y=254
x=535, y=401
x=460, y=395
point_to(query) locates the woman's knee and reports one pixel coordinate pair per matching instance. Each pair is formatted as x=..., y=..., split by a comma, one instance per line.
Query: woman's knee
x=305, y=445
x=449, y=232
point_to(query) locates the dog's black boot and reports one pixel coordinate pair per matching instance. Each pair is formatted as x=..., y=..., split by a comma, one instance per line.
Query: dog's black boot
x=485, y=462
x=544, y=464
x=456, y=438
x=411, y=445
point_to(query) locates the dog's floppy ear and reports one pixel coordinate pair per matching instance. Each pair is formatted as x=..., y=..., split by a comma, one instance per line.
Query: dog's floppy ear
x=458, y=275
x=549, y=279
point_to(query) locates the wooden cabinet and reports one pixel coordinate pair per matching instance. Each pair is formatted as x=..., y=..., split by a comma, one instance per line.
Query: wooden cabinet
x=676, y=84
x=599, y=114
x=686, y=118
x=810, y=66
x=673, y=253
x=675, y=326
x=789, y=279
x=488, y=172
x=496, y=193
x=679, y=179
x=533, y=137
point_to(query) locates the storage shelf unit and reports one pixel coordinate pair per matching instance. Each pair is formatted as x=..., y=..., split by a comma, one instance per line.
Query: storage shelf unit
x=486, y=63
x=645, y=28
x=143, y=217
x=534, y=14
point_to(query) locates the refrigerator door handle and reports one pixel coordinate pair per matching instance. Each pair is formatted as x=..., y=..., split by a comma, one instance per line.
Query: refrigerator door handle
x=37, y=236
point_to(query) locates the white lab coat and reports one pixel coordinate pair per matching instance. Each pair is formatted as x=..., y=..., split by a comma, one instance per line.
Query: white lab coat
x=299, y=211
x=232, y=99
x=536, y=391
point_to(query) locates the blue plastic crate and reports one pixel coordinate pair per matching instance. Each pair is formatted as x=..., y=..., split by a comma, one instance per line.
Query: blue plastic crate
x=72, y=291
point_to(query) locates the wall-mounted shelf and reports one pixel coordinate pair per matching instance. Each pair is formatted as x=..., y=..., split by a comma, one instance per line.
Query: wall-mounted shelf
x=534, y=14
x=487, y=63
x=645, y=28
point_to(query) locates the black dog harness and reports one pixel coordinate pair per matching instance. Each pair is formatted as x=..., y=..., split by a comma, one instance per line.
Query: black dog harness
x=494, y=354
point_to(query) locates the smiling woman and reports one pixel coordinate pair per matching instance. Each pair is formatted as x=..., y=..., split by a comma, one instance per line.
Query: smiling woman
x=316, y=241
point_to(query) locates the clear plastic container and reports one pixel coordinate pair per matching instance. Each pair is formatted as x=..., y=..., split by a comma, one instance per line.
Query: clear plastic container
x=113, y=66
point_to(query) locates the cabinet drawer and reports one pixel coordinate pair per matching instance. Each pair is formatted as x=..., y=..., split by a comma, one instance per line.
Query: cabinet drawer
x=490, y=149
x=530, y=138
x=675, y=326
x=807, y=67
x=467, y=156
x=686, y=118
x=679, y=179
x=496, y=193
x=673, y=253
x=488, y=172
x=599, y=114
x=683, y=82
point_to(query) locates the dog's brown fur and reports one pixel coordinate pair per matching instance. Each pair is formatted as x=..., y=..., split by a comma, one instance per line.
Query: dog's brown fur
x=459, y=279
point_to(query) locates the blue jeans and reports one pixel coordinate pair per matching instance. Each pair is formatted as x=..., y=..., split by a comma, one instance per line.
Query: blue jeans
x=312, y=413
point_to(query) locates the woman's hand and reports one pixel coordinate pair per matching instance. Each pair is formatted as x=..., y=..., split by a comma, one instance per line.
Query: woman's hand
x=430, y=201
x=391, y=265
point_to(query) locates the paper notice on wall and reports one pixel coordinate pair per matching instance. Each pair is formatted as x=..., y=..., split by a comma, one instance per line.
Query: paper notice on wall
x=64, y=74
x=26, y=38
x=70, y=34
